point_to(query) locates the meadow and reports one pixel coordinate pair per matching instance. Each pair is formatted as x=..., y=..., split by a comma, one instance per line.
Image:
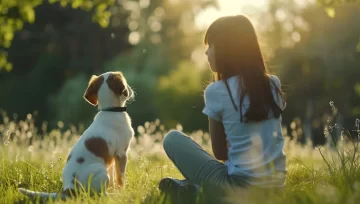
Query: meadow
x=34, y=159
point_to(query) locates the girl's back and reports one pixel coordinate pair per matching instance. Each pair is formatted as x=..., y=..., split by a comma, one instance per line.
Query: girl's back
x=254, y=148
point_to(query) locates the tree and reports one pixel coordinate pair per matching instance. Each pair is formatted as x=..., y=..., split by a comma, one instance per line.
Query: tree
x=15, y=13
x=164, y=38
x=320, y=65
x=62, y=44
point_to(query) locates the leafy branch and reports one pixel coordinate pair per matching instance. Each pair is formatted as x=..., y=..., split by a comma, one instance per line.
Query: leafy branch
x=15, y=13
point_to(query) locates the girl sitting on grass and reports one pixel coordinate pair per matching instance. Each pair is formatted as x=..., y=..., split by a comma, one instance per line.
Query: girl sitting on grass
x=244, y=107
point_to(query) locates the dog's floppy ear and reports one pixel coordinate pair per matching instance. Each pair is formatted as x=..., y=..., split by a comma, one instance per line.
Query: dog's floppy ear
x=91, y=93
x=117, y=83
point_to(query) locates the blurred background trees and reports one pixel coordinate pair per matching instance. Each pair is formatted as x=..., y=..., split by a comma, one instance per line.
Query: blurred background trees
x=49, y=50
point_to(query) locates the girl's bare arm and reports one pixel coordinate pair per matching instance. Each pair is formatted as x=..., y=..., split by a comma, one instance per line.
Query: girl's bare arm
x=218, y=140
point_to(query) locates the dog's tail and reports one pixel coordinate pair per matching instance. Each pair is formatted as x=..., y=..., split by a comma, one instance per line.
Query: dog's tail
x=42, y=195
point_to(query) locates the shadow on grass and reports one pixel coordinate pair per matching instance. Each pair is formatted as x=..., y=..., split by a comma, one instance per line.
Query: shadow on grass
x=29, y=201
x=209, y=195
x=206, y=195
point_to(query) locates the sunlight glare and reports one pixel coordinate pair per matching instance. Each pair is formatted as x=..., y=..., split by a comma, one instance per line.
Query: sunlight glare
x=226, y=7
x=134, y=38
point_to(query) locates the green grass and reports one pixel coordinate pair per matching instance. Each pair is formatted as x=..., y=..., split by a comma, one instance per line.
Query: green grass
x=329, y=177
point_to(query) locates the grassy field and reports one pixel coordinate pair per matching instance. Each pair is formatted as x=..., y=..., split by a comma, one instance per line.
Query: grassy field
x=314, y=175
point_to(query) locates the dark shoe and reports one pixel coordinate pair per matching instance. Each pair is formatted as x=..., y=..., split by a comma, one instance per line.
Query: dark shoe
x=176, y=185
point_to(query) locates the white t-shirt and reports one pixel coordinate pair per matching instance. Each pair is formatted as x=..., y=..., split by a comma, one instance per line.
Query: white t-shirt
x=255, y=148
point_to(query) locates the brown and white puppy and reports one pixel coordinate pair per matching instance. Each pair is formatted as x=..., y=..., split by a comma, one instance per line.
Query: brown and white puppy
x=104, y=143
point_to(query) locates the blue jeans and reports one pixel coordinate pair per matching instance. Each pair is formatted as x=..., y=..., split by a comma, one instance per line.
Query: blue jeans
x=196, y=165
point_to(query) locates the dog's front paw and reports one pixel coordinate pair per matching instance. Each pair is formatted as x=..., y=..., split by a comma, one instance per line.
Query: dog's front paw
x=120, y=187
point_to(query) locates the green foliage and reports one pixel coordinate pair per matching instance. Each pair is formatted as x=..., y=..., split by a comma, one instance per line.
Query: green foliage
x=15, y=13
x=69, y=106
x=30, y=87
x=357, y=89
x=335, y=2
x=186, y=79
x=317, y=68
x=180, y=96
x=10, y=23
x=330, y=5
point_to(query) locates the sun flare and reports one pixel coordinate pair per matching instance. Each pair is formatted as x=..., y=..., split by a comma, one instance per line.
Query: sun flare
x=227, y=7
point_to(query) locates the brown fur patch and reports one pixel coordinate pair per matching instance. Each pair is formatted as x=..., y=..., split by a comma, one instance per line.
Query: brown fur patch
x=99, y=148
x=91, y=92
x=117, y=83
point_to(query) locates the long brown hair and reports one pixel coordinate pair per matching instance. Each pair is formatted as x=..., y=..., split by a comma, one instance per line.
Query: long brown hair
x=237, y=53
